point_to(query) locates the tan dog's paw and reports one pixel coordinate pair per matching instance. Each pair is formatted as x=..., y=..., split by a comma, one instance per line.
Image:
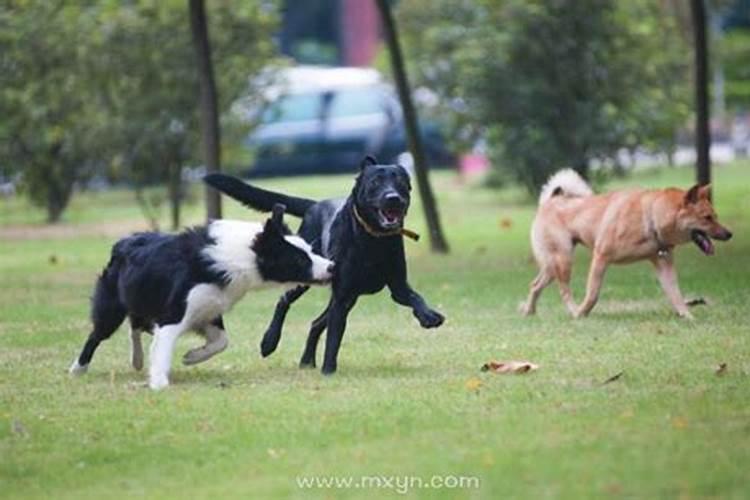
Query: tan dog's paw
x=686, y=315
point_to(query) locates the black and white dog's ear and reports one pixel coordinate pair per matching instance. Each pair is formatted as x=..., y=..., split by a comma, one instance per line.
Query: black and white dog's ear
x=277, y=214
x=275, y=224
x=367, y=161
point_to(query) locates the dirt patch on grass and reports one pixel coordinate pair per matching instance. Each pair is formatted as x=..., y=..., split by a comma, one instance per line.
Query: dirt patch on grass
x=66, y=231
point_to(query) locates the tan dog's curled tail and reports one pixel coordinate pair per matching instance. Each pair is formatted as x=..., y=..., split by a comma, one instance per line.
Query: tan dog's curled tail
x=566, y=182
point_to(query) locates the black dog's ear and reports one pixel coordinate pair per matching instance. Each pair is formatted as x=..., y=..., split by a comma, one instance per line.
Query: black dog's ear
x=367, y=161
x=692, y=194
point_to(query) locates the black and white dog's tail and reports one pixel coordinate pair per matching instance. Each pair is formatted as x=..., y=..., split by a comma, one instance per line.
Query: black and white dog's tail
x=257, y=198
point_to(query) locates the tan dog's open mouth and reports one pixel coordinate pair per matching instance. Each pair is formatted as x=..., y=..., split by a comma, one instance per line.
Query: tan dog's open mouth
x=702, y=241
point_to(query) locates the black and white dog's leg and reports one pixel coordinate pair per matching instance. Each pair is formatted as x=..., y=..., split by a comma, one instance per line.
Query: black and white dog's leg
x=136, y=348
x=316, y=329
x=107, y=314
x=162, y=347
x=337, y=315
x=273, y=333
x=216, y=341
x=403, y=294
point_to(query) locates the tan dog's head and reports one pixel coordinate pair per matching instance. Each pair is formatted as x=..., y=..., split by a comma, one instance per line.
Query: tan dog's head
x=698, y=218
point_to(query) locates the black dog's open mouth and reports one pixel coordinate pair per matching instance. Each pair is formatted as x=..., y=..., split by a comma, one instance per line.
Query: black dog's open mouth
x=703, y=242
x=391, y=217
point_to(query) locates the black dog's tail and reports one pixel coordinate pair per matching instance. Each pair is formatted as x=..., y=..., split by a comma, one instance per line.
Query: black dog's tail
x=256, y=198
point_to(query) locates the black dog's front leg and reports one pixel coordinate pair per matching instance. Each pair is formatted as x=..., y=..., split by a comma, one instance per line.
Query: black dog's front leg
x=316, y=329
x=337, y=314
x=273, y=333
x=403, y=294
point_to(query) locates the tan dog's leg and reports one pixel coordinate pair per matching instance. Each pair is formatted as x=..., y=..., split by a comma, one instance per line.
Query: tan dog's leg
x=563, y=267
x=594, y=284
x=540, y=282
x=667, y=276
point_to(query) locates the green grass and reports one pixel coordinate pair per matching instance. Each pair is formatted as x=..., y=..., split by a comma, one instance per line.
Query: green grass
x=405, y=401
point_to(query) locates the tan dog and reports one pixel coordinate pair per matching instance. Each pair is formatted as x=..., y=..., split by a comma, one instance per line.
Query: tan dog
x=620, y=227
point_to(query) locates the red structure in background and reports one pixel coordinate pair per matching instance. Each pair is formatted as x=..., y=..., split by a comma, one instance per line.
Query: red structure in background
x=359, y=32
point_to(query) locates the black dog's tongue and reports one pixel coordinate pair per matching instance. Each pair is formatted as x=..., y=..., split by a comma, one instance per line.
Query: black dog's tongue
x=703, y=242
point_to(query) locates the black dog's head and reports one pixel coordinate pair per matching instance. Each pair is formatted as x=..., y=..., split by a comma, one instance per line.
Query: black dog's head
x=285, y=258
x=382, y=194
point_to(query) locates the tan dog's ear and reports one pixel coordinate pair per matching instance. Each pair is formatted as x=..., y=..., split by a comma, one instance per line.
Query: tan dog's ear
x=692, y=195
x=704, y=192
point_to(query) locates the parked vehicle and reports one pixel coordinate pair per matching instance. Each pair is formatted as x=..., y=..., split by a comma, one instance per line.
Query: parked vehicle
x=324, y=120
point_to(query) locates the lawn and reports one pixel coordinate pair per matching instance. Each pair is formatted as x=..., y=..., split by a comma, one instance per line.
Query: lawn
x=407, y=405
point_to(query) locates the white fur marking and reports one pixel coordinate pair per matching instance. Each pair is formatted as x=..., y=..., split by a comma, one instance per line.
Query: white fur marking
x=161, y=355
x=77, y=369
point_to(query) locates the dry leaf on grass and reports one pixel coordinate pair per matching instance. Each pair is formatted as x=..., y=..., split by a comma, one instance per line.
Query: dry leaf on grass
x=721, y=369
x=614, y=377
x=473, y=384
x=509, y=367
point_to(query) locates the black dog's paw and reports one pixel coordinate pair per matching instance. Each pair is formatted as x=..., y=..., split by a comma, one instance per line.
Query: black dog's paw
x=328, y=369
x=306, y=365
x=430, y=318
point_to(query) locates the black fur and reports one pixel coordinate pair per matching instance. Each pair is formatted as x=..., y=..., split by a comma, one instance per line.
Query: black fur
x=365, y=263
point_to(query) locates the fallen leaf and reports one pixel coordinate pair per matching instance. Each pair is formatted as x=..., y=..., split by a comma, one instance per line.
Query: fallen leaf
x=509, y=367
x=614, y=377
x=473, y=384
x=679, y=422
x=721, y=369
x=506, y=223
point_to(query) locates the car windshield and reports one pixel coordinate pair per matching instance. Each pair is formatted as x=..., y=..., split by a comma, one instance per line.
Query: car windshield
x=354, y=102
x=293, y=108
x=345, y=103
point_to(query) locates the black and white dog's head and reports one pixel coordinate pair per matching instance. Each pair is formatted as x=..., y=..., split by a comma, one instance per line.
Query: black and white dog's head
x=382, y=194
x=284, y=258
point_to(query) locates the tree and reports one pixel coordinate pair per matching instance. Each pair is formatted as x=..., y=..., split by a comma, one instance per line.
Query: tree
x=209, y=114
x=152, y=84
x=702, y=129
x=111, y=86
x=552, y=84
x=437, y=240
x=51, y=124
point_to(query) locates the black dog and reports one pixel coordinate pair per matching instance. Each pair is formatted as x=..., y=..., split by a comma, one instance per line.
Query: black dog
x=362, y=234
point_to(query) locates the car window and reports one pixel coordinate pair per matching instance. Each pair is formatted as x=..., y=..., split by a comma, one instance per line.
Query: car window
x=293, y=108
x=354, y=102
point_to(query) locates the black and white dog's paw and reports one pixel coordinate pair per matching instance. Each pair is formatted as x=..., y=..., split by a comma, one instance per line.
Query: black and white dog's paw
x=77, y=369
x=429, y=318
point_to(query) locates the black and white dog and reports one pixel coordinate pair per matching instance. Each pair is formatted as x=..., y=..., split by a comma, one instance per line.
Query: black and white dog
x=170, y=284
x=363, y=234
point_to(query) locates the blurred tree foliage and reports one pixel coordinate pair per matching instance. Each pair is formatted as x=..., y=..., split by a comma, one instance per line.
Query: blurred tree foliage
x=551, y=83
x=735, y=59
x=111, y=87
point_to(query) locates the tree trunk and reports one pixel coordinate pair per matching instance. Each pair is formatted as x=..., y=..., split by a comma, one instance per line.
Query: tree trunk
x=702, y=130
x=209, y=107
x=174, y=192
x=437, y=240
